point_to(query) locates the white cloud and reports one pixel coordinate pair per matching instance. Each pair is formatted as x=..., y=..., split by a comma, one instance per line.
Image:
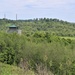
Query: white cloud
x=34, y=6
x=16, y=4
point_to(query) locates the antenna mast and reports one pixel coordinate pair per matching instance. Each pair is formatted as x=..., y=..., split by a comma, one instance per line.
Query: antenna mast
x=4, y=16
x=16, y=17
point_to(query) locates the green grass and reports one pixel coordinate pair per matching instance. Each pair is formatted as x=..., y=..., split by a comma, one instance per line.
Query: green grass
x=13, y=70
x=72, y=38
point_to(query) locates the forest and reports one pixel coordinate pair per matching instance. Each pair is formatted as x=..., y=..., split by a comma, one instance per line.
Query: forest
x=52, y=26
x=40, y=47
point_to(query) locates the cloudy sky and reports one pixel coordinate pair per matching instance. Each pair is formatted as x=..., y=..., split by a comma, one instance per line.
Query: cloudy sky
x=29, y=9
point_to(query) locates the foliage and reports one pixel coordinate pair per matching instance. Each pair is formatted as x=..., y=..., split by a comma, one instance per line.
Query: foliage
x=52, y=26
x=39, y=48
x=13, y=70
x=37, y=51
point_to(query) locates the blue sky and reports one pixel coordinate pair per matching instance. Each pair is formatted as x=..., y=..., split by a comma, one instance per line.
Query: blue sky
x=29, y=9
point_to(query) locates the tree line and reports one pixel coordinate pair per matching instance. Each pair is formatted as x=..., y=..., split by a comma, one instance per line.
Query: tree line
x=52, y=26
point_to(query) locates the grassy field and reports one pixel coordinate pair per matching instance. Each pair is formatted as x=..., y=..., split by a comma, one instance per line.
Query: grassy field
x=72, y=38
x=13, y=70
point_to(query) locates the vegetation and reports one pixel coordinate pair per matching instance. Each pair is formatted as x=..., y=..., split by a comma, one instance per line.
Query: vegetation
x=38, y=51
x=13, y=70
x=52, y=26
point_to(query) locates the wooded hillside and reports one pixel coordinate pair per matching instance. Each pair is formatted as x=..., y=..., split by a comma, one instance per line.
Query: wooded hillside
x=39, y=49
x=52, y=26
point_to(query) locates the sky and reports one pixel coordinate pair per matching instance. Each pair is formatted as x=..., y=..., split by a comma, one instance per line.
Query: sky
x=30, y=9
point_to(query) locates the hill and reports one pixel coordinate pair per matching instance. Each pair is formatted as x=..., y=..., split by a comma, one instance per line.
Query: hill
x=53, y=26
x=39, y=49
